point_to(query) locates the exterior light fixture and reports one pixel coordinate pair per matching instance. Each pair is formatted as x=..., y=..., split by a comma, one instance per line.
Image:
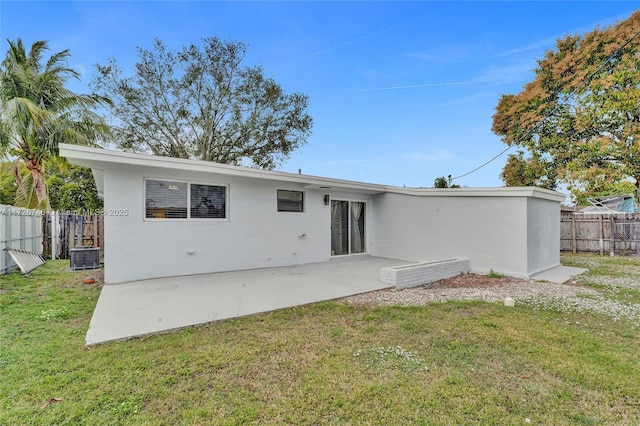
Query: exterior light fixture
x=327, y=200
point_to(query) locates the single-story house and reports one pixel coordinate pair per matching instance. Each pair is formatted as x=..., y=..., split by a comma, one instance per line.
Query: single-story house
x=171, y=217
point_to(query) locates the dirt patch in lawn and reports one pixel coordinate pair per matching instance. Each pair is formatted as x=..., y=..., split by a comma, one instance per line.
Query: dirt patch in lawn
x=475, y=281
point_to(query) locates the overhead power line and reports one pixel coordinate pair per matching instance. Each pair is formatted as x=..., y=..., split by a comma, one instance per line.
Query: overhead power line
x=584, y=83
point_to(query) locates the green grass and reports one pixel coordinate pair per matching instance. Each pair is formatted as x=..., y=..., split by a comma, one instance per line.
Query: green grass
x=494, y=274
x=617, y=277
x=328, y=363
x=612, y=266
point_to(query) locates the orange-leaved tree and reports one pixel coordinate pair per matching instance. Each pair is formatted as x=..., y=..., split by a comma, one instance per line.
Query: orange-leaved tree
x=578, y=121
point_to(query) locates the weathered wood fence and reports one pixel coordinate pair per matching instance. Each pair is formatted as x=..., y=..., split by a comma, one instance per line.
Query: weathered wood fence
x=52, y=234
x=603, y=233
x=63, y=231
x=19, y=229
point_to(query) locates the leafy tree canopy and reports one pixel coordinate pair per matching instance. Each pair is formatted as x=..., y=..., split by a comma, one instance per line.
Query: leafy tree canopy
x=579, y=119
x=443, y=182
x=70, y=188
x=201, y=102
x=8, y=184
x=533, y=170
x=73, y=188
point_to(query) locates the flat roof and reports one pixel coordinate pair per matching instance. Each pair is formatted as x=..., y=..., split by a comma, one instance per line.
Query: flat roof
x=97, y=158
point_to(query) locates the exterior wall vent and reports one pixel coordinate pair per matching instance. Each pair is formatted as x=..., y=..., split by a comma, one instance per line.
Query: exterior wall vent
x=85, y=258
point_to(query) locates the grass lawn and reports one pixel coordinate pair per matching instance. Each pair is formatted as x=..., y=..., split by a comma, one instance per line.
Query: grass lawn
x=328, y=363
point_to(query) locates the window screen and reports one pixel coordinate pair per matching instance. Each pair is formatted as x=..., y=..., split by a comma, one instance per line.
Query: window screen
x=208, y=202
x=290, y=201
x=166, y=199
x=169, y=200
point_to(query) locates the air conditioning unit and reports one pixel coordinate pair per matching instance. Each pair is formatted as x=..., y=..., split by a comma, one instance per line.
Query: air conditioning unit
x=85, y=258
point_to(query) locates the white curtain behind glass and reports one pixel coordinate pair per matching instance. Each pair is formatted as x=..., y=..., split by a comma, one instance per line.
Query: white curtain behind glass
x=357, y=227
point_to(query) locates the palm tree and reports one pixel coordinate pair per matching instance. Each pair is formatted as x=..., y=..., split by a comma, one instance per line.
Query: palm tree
x=37, y=112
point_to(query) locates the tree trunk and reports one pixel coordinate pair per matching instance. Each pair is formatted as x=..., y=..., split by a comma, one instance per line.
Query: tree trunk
x=36, y=167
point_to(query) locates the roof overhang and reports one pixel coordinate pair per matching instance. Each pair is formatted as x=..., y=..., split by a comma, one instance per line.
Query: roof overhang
x=98, y=159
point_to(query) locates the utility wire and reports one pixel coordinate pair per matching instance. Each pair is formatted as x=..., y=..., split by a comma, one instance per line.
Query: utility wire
x=584, y=83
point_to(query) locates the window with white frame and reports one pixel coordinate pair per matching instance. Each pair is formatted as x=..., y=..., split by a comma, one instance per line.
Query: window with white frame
x=184, y=200
x=290, y=201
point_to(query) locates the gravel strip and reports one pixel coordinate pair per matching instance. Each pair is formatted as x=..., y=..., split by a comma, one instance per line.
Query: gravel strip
x=516, y=289
x=614, y=283
x=537, y=295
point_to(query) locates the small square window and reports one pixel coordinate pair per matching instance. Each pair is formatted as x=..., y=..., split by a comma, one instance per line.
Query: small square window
x=290, y=201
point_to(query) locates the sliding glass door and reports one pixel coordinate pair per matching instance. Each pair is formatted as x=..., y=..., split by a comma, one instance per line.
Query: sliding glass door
x=347, y=227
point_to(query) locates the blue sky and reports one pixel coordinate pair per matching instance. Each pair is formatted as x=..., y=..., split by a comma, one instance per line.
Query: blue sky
x=401, y=92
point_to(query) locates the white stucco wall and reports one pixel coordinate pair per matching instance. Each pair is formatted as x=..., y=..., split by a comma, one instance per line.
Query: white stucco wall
x=543, y=234
x=506, y=232
x=515, y=231
x=510, y=233
x=255, y=235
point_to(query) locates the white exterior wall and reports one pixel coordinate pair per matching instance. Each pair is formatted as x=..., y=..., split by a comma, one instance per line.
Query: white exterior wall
x=514, y=231
x=514, y=235
x=543, y=232
x=490, y=231
x=255, y=235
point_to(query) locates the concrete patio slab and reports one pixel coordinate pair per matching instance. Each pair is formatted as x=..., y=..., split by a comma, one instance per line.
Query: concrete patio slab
x=152, y=306
x=143, y=307
x=559, y=274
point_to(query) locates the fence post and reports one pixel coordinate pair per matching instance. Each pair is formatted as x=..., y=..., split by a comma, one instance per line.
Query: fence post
x=34, y=227
x=71, y=236
x=7, y=228
x=612, y=236
x=55, y=234
x=94, y=219
x=573, y=229
x=80, y=235
x=22, y=241
x=601, y=229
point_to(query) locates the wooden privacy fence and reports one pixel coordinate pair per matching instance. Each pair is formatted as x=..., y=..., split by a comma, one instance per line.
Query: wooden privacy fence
x=63, y=231
x=604, y=233
x=20, y=229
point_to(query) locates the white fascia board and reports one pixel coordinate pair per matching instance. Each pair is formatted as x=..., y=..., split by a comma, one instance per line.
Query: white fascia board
x=96, y=158
x=527, y=191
